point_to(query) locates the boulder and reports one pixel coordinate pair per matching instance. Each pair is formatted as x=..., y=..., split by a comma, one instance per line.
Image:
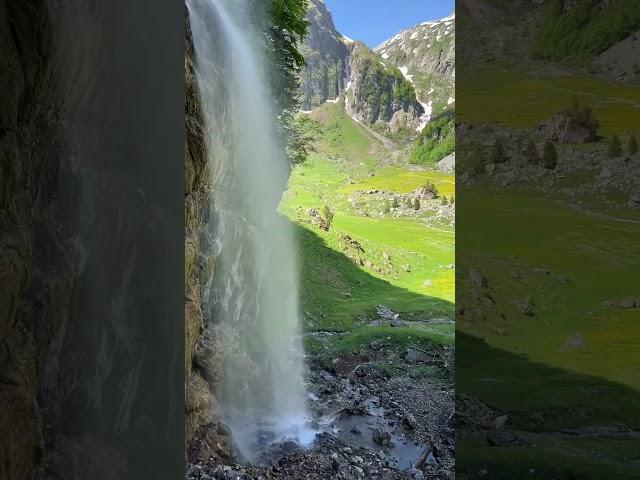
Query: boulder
x=414, y=356
x=564, y=128
x=500, y=438
x=381, y=437
x=575, y=341
x=630, y=302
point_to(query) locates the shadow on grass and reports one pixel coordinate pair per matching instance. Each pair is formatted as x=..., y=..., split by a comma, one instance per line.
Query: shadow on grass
x=547, y=401
x=333, y=285
x=339, y=296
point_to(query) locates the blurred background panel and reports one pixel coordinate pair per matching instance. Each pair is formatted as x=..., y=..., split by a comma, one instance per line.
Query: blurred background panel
x=548, y=331
x=92, y=235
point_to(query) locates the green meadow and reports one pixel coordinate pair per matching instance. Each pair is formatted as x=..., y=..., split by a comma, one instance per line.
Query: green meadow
x=515, y=97
x=573, y=270
x=404, y=263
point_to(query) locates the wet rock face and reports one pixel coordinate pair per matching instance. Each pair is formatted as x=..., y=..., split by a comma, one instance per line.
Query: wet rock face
x=204, y=439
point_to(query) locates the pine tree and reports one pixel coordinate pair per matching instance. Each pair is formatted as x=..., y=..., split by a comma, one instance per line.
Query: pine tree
x=550, y=156
x=633, y=146
x=531, y=153
x=498, y=153
x=615, y=146
x=328, y=217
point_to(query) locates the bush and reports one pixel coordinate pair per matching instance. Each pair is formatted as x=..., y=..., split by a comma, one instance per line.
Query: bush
x=583, y=115
x=633, y=146
x=550, y=156
x=328, y=214
x=498, y=152
x=396, y=202
x=614, y=147
x=416, y=204
x=531, y=153
x=431, y=188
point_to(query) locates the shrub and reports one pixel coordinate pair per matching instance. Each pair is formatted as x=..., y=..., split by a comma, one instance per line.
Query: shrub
x=395, y=203
x=531, y=153
x=614, y=147
x=416, y=204
x=498, y=152
x=550, y=156
x=633, y=146
x=431, y=188
x=328, y=214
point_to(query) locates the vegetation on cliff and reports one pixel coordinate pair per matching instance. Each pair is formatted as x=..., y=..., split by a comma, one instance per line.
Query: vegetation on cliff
x=585, y=29
x=436, y=141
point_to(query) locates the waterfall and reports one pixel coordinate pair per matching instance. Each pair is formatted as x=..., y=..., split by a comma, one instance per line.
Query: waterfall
x=253, y=295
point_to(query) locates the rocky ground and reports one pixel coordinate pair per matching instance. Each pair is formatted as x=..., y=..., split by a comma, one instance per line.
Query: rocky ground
x=389, y=423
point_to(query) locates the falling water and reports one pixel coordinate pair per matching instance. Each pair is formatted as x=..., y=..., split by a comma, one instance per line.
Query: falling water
x=253, y=294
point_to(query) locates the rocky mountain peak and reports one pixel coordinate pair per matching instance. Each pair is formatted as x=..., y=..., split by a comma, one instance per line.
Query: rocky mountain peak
x=425, y=54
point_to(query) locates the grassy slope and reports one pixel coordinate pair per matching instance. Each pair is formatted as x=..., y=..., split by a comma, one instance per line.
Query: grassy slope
x=336, y=292
x=524, y=368
x=493, y=93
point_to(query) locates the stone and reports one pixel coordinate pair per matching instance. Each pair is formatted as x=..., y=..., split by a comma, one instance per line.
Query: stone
x=500, y=438
x=629, y=302
x=500, y=421
x=525, y=306
x=478, y=279
x=410, y=421
x=397, y=323
x=381, y=437
x=575, y=341
x=563, y=128
x=413, y=356
x=385, y=312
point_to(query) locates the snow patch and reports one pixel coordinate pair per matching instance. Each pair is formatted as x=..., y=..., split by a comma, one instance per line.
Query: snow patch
x=385, y=55
x=450, y=100
x=347, y=39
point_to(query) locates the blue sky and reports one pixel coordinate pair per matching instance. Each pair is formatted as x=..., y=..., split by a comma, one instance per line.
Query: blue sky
x=374, y=21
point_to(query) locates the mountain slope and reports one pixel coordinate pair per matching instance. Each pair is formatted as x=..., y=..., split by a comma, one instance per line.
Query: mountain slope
x=426, y=56
x=377, y=94
x=326, y=53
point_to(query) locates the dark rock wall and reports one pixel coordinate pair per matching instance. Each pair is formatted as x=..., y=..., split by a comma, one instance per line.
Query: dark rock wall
x=34, y=291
